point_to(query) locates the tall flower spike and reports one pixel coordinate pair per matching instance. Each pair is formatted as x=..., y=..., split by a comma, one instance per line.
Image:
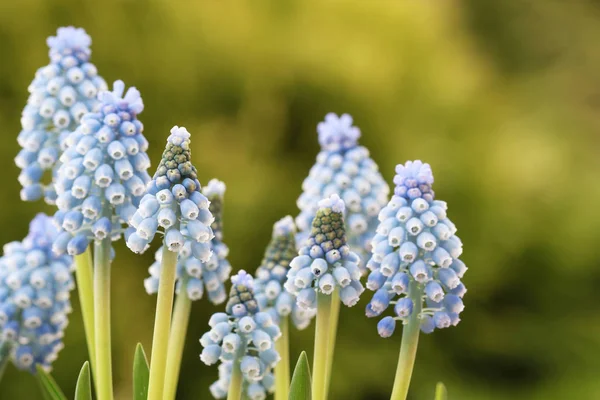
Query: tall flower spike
x=243, y=340
x=34, y=297
x=325, y=262
x=209, y=276
x=60, y=94
x=103, y=173
x=416, y=246
x=272, y=273
x=344, y=168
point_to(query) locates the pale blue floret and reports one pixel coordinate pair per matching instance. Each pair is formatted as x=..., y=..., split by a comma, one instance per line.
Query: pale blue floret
x=60, y=94
x=325, y=262
x=416, y=242
x=242, y=338
x=94, y=200
x=344, y=168
x=35, y=286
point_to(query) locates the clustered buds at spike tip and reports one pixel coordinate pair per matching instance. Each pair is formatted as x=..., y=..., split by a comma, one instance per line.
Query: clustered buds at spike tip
x=344, y=168
x=34, y=297
x=325, y=262
x=416, y=243
x=244, y=338
x=60, y=94
x=175, y=204
x=103, y=173
x=195, y=276
x=272, y=274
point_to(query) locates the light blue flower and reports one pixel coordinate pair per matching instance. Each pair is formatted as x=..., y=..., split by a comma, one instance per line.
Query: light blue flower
x=272, y=274
x=416, y=244
x=242, y=338
x=344, y=168
x=325, y=262
x=103, y=175
x=60, y=94
x=35, y=287
x=193, y=275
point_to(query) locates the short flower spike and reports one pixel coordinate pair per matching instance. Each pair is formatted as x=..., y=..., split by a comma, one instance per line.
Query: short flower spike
x=35, y=286
x=194, y=275
x=60, y=94
x=242, y=338
x=272, y=274
x=103, y=174
x=344, y=168
x=325, y=262
x=416, y=245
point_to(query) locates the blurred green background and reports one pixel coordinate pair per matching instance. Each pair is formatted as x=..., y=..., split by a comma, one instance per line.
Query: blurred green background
x=501, y=98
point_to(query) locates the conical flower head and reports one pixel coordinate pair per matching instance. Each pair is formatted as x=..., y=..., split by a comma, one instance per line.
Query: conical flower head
x=35, y=286
x=325, y=262
x=60, y=94
x=196, y=277
x=241, y=296
x=174, y=204
x=103, y=173
x=416, y=246
x=272, y=274
x=344, y=168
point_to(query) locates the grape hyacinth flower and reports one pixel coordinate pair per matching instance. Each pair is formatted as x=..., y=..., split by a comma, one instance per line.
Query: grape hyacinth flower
x=174, y=207
x=60, y=94
x=415, y=260
x=35, y=285
x=325, y=272
x=243, y=339
x=343, y=167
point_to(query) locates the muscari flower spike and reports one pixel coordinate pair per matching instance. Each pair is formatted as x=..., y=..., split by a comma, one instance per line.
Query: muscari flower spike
x=103, y=173
x=175, y=204
x=60, y=94
x=272, y=274
x=344, y=168
x=34, y=297
x=325, y=262
x=416, y=243
x=196, y=276
x=242, y=337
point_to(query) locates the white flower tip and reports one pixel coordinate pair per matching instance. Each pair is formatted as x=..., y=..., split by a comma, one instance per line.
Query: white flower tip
x=69, y=38
x=214, y=188
x=334, y=202
x=243, y=278
x=337, y=133
x=284, y=226
x=416, y=170
x=178, y=136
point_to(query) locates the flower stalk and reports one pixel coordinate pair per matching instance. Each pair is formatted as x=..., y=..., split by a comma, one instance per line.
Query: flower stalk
x=102, y=328
x=333, y=327
x=321, y=355
x=235, y=387
x=85, y=289
x=282, y=370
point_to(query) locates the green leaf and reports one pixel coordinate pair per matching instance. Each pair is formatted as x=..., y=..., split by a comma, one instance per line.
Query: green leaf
x=50, y=388
x=141, y=374
x=300, y=387
x=83, y=390
x=440, y=392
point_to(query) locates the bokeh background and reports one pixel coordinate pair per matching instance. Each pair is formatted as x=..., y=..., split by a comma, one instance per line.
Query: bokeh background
x=501, y=98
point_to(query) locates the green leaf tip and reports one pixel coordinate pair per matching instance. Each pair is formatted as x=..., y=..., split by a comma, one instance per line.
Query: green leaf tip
x=440, y=392
x=50, y=388
x=141, y=374
x=300, y=388
x=83, y=390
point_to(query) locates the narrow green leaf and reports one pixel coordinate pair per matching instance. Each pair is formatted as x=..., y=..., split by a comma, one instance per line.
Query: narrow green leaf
x=49, y=385
x=83, y=390
x=440, y=392
x=141, y=374
x=300, y=387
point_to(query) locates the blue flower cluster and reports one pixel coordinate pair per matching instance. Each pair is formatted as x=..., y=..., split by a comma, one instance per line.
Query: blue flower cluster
x=175, y=204
x=325, y=262
x=344, y=168
x=193, y=275
x=272, y=274
x=416, y=245
x=34, y=297
x=60, y=94
x=103, y=173
x=243, y=338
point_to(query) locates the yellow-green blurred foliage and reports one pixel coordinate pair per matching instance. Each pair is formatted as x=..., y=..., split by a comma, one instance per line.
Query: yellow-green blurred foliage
x=501, y=98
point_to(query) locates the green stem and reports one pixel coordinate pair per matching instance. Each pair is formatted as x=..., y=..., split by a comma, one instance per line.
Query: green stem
x=408, y=347
x=45, y=394
x=235, y=386
x=333, y=326
x=282, y=370
x=4, y=357
x=162, y=325
x=319, y=384
x=85, y=289
x=104, y=386
x=179, y=326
